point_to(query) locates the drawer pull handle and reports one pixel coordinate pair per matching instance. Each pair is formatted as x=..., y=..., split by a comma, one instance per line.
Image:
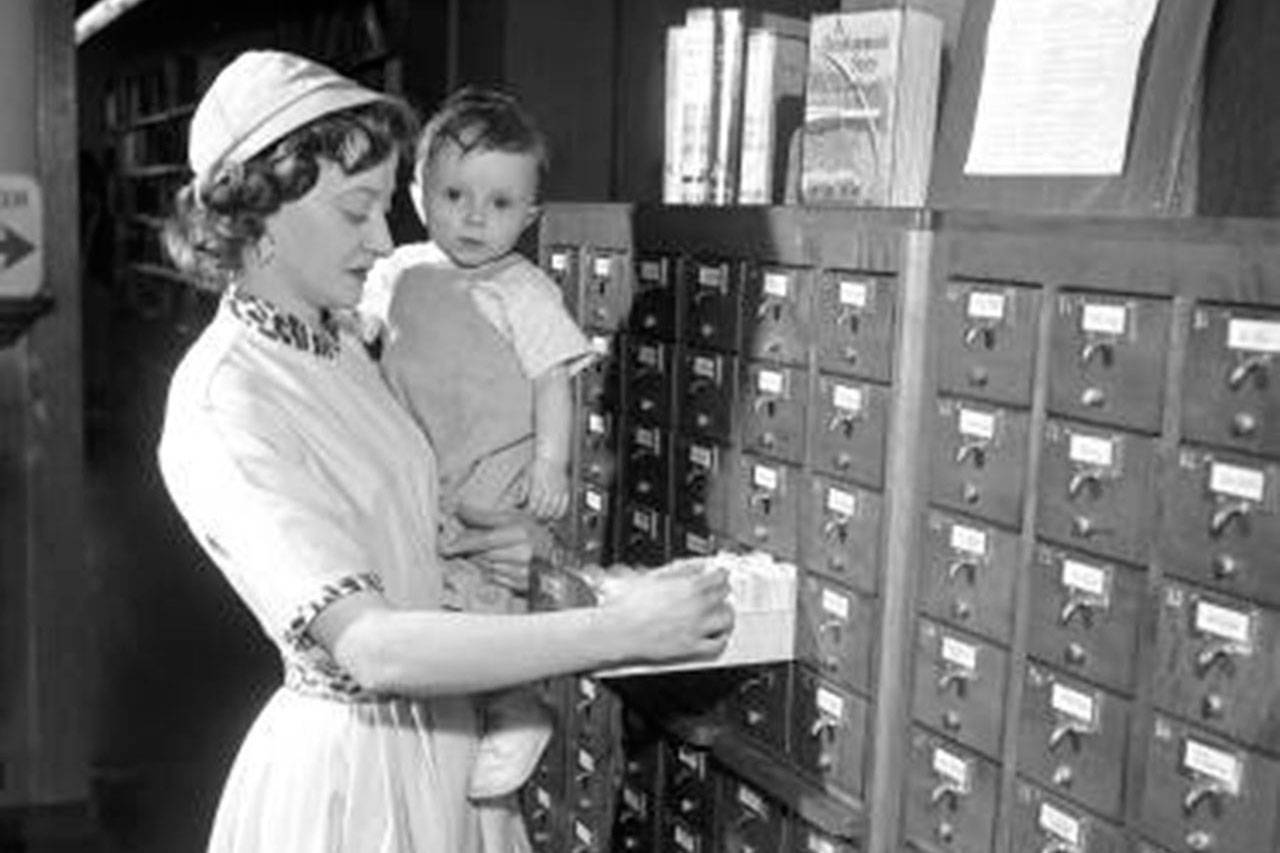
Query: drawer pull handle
x=1225, y=514
x=1204, y=789
x=761, y=501
x=1080, y=479
x=1066, y=731
x=1076, y=604
x=1225, y=567
x=850, y=354
x=843, y=422
x=948, y=791
x=976, y=449
x=956, y=676
x=1246, y=367
x=824, y=726
x=770, y=309
x=1200, y=840
x=849, y=316
x=980, y=336
x=1214, y=653
x=1103, y=349
x=768, y=406
x=836, y=525
x=969, y=567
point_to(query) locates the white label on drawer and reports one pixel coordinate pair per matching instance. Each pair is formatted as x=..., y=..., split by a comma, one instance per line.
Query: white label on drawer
x=1091, y=450
x=651, y=271
x=835, y=604
x=977, y=424
x=594, y=500
x=648, y=356
x=1104, y=319
x=1084, y=577
x=689, y=758
x=1253, y=335
x=559, y=261
x=847, y=397
x=647, y=437
x=751, y=800
x=1074, y=703
x=818, y=844
x=1223, y=622
x=764, y=477
x=602, y=267
x=950, y=766
x=705, y=367
x=633, y=799
x=1055, y=821
x=642, y=520
x=971, y=540
x=696, y=544
x=587, y=688
x=985, y=305
x=543, y=797
x=777, y=284
x=854, y=293
x=595, y=423
x=961, y=654
x=829, y=703
x=583, y=834
x=770, y=381
x=709, y=276
x=701, y=456
x=1214, y=763
x=1237, y=481
x=599, y=344
x=586, y=762
x=842, y=502
x=684, y=838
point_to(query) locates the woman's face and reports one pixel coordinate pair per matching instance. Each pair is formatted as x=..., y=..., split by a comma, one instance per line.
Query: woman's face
x=324, y=243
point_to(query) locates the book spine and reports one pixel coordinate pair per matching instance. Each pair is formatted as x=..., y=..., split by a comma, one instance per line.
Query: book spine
x=728, y=105
x=673, y=167
x=754, y=178
x=697, y=84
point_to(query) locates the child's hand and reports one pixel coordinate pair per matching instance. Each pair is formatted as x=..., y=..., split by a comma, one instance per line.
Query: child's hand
x=547, y=490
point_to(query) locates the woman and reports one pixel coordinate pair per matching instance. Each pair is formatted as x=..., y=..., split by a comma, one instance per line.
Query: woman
x=315, y=494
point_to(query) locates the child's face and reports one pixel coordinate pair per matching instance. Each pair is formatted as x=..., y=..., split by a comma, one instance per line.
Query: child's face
x=476, y=204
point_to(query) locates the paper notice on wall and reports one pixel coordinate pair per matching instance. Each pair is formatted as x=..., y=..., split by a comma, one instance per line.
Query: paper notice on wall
x=1058, y=86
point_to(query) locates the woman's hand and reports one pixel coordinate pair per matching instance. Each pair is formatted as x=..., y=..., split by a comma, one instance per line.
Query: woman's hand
x=677, y=612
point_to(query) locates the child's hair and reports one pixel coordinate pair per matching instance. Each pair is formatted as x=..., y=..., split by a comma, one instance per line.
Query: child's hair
x=477, y=118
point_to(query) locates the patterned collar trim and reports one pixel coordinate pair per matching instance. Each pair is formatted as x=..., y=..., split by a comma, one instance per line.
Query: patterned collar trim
x=282, y=327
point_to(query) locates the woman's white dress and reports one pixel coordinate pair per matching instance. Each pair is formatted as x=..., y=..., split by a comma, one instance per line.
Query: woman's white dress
x=304, y=480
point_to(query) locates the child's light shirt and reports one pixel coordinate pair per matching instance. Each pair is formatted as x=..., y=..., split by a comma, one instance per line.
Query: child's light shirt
x=518, y=299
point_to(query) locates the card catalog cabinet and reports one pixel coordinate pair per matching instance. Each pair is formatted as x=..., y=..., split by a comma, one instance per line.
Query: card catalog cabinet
x=1029, y=470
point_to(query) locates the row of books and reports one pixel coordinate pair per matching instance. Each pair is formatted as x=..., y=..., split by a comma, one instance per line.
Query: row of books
x=763, y=108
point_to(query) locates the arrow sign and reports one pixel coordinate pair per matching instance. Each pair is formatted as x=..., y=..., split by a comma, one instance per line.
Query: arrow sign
x=21, y=236
x=13, y=247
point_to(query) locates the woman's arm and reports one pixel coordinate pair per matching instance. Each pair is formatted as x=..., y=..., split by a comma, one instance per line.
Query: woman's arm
x=655, y=616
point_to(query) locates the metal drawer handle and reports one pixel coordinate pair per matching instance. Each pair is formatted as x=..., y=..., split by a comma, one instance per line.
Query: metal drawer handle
x=837, y=525
x=976, y=449
x=1216, y=652
x=1065, y=730
x=1103, y=349
x=1223, y=516
x=842, y=422
x=956, y=676
x=1086, y=528
x=969, y=567
x=1080, y=479
x=980, y=336
x=1255, y=363
x=1203, y=789
x=1077, y=604
x=848, y=315
x=948, y=791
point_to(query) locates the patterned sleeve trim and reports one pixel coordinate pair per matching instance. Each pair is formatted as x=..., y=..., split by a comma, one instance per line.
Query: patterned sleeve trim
x=296, y=636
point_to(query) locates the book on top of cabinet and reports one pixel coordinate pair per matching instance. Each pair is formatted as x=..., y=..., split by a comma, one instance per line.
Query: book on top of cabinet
x=772, y=108
x=870, y=107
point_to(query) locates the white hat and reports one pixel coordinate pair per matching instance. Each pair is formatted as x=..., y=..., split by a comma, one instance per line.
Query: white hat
x=259, y=97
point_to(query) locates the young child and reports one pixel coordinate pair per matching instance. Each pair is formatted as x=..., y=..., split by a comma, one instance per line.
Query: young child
x=478, y=344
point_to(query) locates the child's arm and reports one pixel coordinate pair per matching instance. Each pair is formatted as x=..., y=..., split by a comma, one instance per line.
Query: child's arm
x=548, y=492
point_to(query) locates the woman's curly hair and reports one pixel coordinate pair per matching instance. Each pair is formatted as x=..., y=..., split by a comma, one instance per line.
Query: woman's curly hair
x=214, y=222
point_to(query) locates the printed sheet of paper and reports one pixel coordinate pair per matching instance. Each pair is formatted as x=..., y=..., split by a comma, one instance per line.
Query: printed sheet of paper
x=1058, y=86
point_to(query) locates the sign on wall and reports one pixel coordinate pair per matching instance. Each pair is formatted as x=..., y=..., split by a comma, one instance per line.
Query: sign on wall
x=21, y=237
